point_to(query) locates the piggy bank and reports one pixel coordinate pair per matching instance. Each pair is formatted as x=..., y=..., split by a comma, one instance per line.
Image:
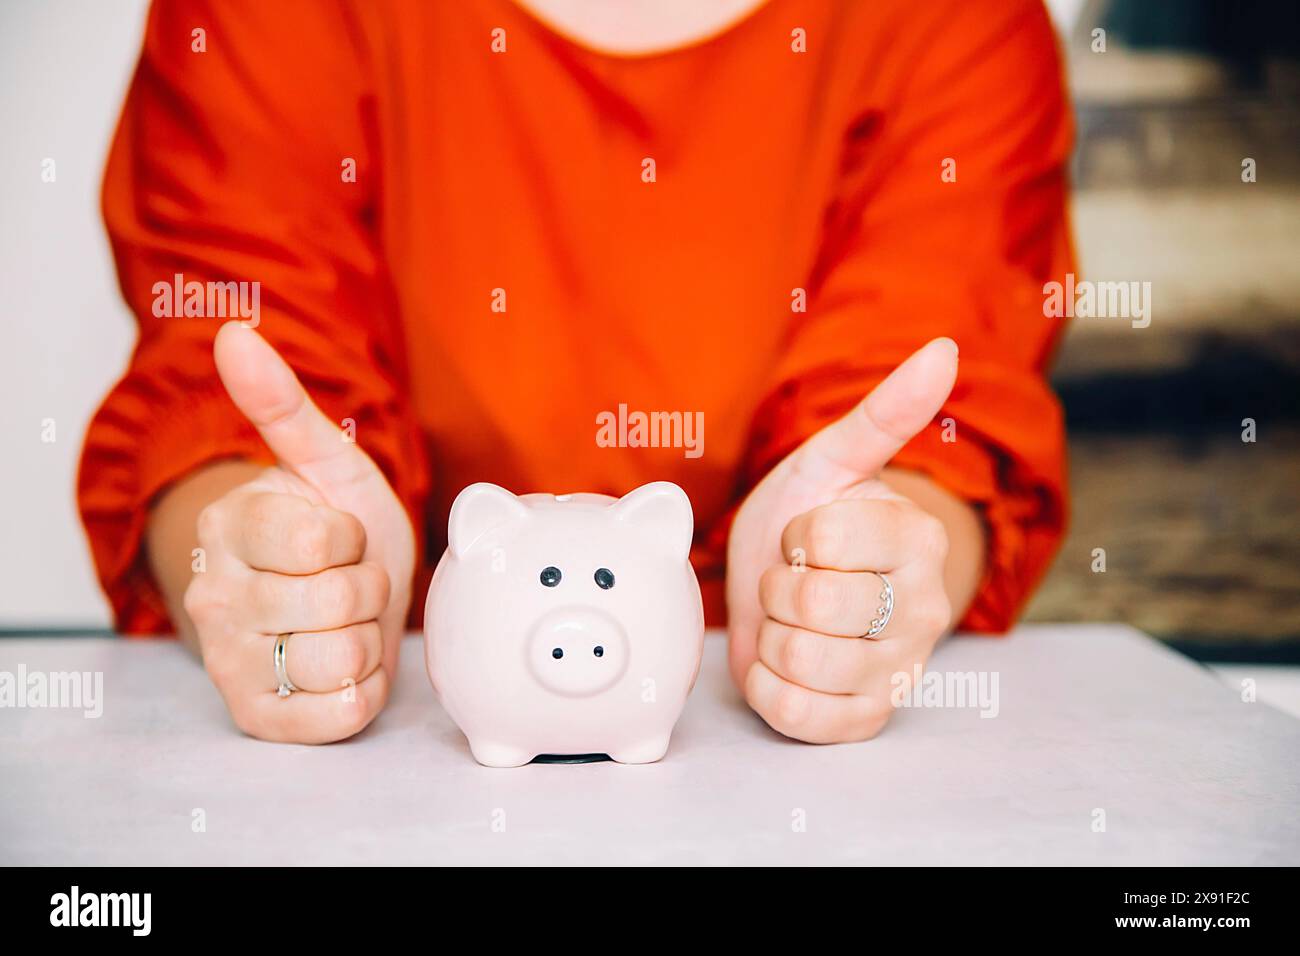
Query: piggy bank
x=565, y=624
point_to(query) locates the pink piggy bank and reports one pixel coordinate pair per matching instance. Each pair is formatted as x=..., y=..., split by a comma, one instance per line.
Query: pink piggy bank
x=565, y=624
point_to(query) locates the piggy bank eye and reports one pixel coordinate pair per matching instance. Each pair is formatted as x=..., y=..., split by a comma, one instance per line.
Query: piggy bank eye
x=550, y=577
x=605, y=578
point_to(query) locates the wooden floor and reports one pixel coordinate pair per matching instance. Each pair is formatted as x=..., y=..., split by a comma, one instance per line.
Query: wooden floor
x=1201, y=539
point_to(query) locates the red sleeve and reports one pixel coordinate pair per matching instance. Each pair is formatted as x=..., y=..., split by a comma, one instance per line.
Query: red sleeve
x=226, y=167
x=908, y=256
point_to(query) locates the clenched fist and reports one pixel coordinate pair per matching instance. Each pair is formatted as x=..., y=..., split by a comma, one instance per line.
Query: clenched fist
x=318, y=547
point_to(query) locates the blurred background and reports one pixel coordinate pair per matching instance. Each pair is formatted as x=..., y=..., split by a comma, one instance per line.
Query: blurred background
x=1200, y=529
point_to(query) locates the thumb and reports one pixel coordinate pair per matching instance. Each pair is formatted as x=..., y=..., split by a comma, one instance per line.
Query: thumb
x=864, y=440
x=266, y=390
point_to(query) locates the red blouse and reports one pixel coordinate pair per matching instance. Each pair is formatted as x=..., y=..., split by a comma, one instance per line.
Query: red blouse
x=907, y=171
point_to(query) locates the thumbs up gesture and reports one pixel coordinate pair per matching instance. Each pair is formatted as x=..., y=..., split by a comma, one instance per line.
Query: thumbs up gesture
x=801, y=595
x=318, y=547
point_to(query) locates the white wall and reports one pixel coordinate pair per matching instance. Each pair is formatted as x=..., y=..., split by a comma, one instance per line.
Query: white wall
x=66, y=65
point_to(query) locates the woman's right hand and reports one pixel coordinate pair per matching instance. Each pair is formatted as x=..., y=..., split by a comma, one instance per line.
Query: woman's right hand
x=318, y=547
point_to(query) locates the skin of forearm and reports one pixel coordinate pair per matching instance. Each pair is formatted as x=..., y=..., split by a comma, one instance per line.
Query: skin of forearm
x=171, y=534
x=967, y=536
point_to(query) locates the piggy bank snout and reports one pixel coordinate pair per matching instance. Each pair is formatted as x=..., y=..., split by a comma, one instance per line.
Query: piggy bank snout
x=577, y=651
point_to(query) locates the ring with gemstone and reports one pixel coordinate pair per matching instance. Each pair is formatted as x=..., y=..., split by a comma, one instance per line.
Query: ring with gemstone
x=886, y=609
x=281, y=673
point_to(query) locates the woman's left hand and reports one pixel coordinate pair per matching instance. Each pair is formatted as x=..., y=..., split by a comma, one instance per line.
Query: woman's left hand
x=801, y=594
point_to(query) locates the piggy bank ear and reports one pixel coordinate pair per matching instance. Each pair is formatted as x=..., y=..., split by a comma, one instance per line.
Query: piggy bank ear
x=662, y=511
x=478, y=509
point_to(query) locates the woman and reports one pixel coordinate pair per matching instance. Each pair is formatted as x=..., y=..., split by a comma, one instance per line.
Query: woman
x=475, y=230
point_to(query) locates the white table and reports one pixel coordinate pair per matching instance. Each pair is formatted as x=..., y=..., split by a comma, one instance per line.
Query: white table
x=1091, y=718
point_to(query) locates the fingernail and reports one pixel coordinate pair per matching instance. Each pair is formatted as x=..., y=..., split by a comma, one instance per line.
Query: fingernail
x=951, y=342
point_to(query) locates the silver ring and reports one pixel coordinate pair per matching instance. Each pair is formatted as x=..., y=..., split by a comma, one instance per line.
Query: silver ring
x=281, y=674
x=886, y=609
